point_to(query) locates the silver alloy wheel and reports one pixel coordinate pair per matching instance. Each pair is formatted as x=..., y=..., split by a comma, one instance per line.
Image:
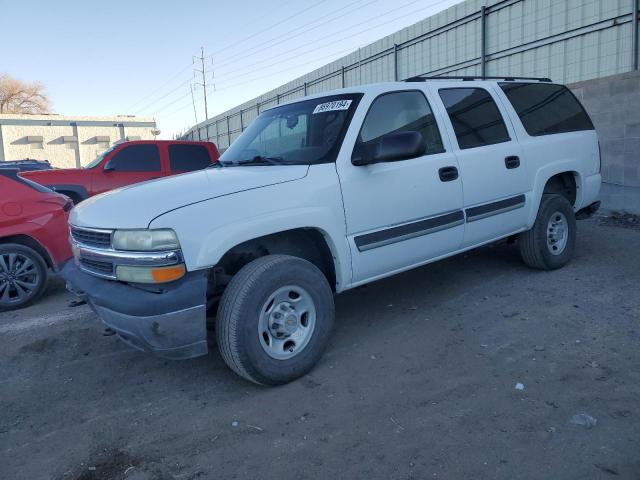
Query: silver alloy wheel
x=557, y=233
x=19, y=278
x=287, y=320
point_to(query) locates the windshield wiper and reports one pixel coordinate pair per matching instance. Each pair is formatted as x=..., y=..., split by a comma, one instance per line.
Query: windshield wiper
x=257, y=160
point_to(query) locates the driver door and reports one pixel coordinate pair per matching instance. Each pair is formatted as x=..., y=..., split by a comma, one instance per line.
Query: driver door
x=404, y=212
x=127, y=165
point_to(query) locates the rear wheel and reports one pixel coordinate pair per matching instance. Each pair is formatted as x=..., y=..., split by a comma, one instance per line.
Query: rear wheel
x=274, y=319
x=551, y=242
x=23, y=276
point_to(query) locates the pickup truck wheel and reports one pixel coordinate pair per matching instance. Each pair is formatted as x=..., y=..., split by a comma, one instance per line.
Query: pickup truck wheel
x=23, y=276
x=274, y=319
x=551, y=241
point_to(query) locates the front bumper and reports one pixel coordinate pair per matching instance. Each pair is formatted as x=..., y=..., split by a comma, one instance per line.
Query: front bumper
x=167, y=320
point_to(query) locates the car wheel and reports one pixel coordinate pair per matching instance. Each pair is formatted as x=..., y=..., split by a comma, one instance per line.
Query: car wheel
x=274, y=319
x=551, y=242
x=23, y=276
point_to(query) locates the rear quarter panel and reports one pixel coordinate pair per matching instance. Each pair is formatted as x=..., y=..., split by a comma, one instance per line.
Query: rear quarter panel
x=548, y=155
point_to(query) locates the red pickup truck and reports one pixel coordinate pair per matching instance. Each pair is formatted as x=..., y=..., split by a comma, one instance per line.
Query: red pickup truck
x=127, y=163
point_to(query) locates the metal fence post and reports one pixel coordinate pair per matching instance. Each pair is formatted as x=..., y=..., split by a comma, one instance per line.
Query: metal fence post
x=342, y=74
x=634, y=49
x=305, y=89
x=241, y=122
x=228, y=132
x=395, y=62
x=483, y=41
x=277, y=99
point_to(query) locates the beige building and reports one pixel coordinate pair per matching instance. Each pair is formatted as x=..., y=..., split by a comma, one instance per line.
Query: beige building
x=68, y=141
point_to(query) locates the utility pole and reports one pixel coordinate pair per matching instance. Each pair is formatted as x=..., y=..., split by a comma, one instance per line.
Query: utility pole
x=195, y=115
x=204, y=81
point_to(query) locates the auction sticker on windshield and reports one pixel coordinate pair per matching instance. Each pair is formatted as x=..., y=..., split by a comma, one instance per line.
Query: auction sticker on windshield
x=330, y=106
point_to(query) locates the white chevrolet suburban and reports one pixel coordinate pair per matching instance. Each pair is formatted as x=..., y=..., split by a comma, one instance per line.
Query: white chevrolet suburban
x=326, y=193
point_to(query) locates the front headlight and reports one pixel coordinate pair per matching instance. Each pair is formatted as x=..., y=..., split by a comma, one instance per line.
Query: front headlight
x=145, y=240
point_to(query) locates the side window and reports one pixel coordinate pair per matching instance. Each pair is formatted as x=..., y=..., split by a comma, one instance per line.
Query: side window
x=136, y=158
x=475, y=117
x=398, y=112
x=188, y=158
x=545, y=109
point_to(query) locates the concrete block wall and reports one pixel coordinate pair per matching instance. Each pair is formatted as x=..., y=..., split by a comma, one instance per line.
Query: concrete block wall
x=613, y=103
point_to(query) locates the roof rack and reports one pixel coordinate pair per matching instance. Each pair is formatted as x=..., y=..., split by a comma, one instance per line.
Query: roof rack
x=422, y=78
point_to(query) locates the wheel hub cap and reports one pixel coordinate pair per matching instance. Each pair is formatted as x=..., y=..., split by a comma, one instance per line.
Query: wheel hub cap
x=557, y=233
x=286, y=322
x=19, y=278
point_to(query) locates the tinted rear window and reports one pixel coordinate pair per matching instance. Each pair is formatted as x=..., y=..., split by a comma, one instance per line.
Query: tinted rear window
x=545, y=109
x=475, y=117
x=187, y=158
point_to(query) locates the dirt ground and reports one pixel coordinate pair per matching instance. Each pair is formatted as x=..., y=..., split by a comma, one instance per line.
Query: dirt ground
x=418, y=382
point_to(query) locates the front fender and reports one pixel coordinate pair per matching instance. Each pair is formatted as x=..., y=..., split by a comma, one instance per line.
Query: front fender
x=207, y=230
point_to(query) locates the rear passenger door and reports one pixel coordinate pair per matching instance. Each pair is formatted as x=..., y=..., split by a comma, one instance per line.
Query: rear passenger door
x=493, y=176
x=184, y=157
x=404, y=212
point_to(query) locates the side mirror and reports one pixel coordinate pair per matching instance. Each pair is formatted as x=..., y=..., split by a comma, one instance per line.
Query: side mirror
x=392, y=148
x=109, y=167
x=399, y=146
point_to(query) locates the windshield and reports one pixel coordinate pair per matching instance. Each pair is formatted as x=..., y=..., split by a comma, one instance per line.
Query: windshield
x=306, y=132
x=95, y=162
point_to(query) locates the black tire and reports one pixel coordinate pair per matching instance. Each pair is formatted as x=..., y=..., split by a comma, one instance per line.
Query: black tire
x=535, y=251
x=237, y=323
x=12, y=287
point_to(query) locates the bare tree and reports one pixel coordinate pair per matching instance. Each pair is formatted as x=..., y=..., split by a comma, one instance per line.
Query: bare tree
x=17, y=96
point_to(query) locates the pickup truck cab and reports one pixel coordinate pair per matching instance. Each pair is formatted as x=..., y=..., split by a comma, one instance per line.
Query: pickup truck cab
x=326, y=193
x=127, y=163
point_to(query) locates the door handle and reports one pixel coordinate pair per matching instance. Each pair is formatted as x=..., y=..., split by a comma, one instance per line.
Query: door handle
x=448, y=174
x=512, y=161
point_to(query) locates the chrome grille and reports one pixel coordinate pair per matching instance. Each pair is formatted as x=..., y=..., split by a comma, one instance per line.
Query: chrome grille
x=92, y=238
x=96, y=266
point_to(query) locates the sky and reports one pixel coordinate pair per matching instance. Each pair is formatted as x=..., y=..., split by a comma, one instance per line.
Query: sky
x=136, y=57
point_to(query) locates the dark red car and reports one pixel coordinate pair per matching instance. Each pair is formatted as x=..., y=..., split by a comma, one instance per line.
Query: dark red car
x=127, y=163
x=33, y=238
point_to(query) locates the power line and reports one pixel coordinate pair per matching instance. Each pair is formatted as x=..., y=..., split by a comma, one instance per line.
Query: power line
x=287, y=34
x=314, y=49
x=160, y=87
x=319, y=2
x=146, y=107
x=270, y=59
x=171, y=78
x=341, y=39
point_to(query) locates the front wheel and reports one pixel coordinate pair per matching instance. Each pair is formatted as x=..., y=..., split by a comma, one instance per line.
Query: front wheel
x=23, y=276
x=551, y=242
x=274, y=319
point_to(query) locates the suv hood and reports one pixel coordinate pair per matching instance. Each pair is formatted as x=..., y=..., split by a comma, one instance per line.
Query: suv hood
x=135, y=206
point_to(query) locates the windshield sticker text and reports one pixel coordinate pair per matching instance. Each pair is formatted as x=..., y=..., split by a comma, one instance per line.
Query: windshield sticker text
x=330, y=106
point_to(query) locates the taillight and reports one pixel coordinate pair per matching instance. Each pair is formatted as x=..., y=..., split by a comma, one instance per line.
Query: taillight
x=599, y=157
